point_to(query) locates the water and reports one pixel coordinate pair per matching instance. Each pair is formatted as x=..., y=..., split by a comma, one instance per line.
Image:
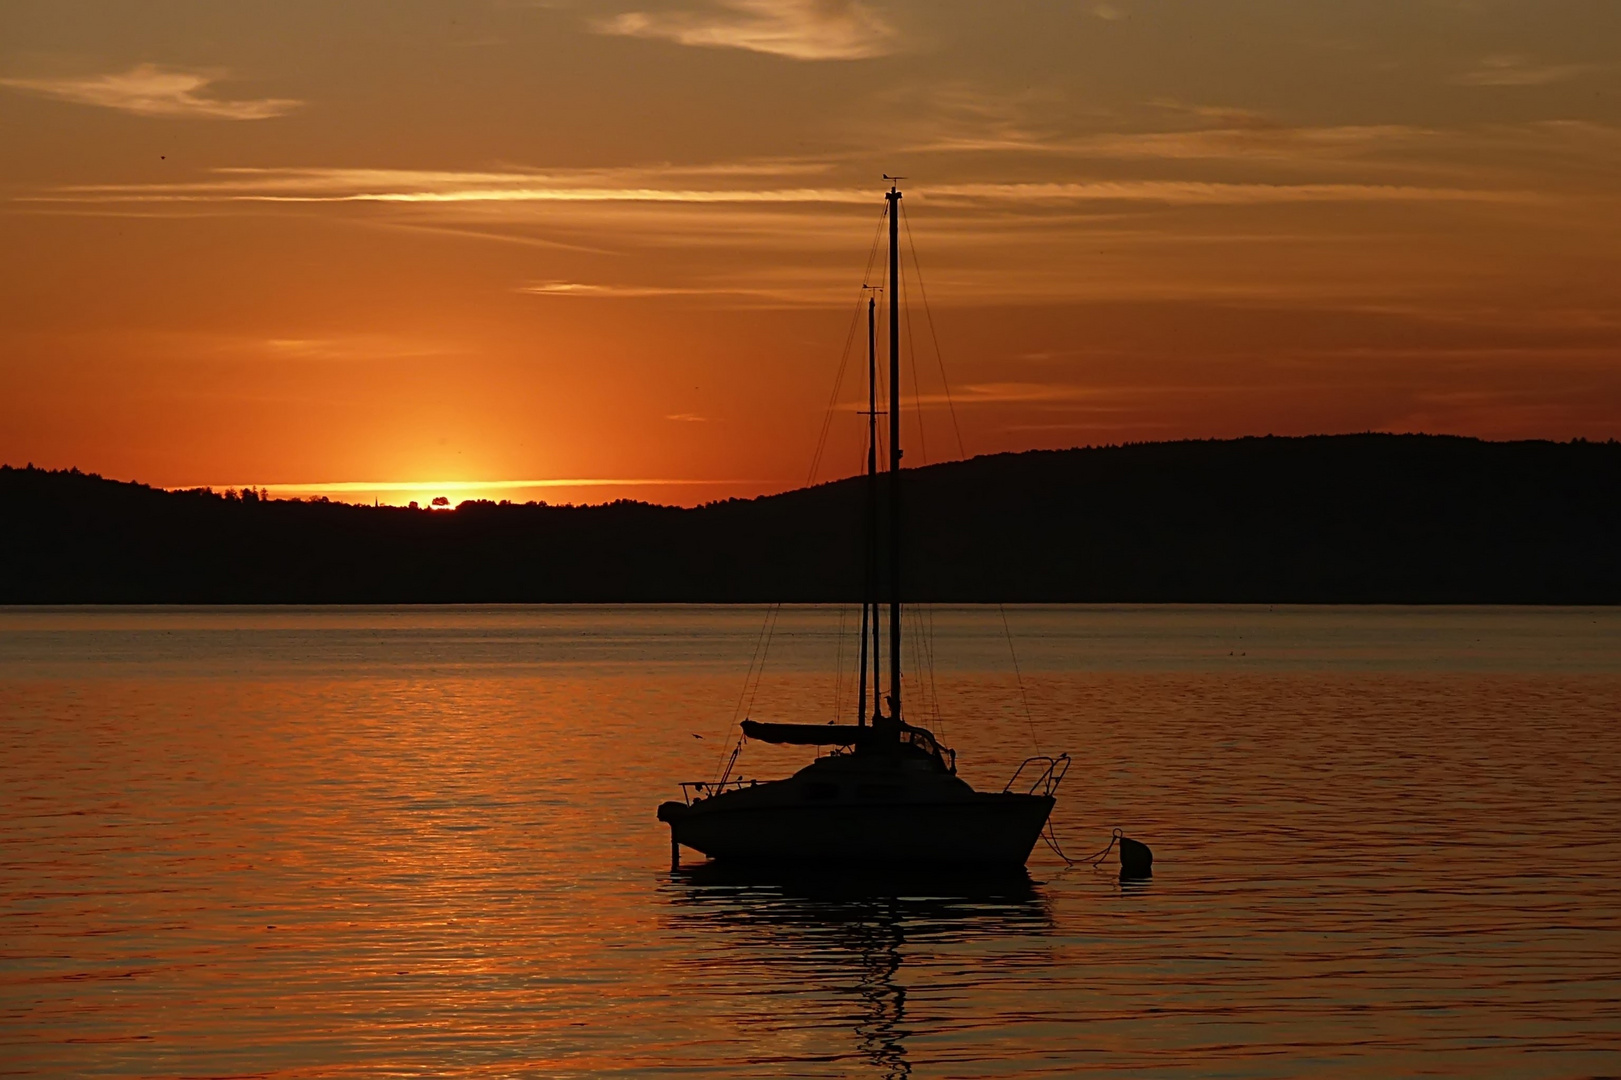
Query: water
x=421, y=842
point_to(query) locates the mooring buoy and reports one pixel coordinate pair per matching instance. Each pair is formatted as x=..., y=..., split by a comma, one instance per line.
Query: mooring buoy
x=1136, y=861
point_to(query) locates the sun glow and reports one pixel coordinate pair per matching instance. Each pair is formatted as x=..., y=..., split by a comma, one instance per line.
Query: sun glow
x=424, y=492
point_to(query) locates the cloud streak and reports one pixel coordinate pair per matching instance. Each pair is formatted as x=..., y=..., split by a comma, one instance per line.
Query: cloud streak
x=1518, y=71
x=580, y=290
x=150, y=90
x=796, y=29
x=441, y=188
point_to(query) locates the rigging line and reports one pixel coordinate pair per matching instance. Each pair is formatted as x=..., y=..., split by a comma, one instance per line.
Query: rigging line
x=1019, y=675
x=754, y=658
x=939, y=356
x=838, y=664
x=833, y=399
x=737, y=710
x=917, y=386
x=923, y=657
x=858, y=674
x=939, y=718
x=925, y=681
x=844, y=358
x=759, y=675
x=776, y=610
x=917, y=659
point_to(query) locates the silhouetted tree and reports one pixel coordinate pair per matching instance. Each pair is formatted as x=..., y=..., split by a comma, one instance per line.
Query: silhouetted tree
x=1367, y=518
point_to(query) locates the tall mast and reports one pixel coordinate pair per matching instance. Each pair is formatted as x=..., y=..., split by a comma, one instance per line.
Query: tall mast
x=869, y=591
x=894, y=197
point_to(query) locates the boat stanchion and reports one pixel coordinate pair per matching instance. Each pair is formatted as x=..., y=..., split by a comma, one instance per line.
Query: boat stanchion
x=675, y=853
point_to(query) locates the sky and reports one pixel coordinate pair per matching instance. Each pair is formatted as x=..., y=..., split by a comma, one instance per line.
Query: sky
x=578, y=250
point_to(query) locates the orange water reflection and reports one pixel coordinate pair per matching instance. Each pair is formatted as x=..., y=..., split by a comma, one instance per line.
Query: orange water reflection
x=396, y=842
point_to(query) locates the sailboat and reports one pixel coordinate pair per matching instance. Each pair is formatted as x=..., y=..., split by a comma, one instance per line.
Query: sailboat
x=888, y=793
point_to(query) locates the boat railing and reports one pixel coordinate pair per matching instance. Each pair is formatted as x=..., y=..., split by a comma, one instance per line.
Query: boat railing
x=693, y=790
x=1049, y=772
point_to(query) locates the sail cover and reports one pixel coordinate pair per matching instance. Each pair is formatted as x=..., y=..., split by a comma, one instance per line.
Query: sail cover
x=808, y=734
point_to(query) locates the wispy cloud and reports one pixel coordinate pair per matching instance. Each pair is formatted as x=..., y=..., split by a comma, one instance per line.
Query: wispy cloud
x=1008, y=393
x=959, y=119
x=150, y=90
x=439, y=186
x=577, y=289
x=355, y=347
x=1519, y=71
x=583, y=289
x=797, y=29
x=1206, y=193
x=311, y=185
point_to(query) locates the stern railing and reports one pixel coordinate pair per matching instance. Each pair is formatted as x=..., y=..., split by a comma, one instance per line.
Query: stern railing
x=694, y=790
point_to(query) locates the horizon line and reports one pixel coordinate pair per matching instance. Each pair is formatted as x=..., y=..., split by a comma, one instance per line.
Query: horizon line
x=458, y=485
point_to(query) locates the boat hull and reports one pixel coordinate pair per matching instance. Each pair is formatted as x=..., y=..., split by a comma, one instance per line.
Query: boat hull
x=981, y=830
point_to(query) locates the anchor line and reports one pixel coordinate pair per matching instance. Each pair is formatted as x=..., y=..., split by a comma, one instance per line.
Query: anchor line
x=1052, y=842
x=1096, y=858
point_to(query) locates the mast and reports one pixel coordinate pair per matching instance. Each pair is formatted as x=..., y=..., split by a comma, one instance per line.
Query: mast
x=869, y=591
x=893, y=195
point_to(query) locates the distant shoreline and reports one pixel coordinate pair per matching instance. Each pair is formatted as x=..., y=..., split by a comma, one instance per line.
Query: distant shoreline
x=1333, y=520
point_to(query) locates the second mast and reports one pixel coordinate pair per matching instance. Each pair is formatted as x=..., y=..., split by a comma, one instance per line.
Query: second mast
x=893, y=195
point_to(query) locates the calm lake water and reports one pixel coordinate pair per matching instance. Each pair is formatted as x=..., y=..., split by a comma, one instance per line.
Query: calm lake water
x=421, y=842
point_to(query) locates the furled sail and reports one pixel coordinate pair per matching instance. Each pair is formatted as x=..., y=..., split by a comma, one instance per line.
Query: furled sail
x=809, y=734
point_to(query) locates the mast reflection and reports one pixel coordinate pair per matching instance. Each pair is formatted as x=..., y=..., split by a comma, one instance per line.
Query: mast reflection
x=829, y=947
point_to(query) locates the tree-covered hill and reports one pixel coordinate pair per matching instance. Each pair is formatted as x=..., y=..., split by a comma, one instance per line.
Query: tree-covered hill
x=1331, y=519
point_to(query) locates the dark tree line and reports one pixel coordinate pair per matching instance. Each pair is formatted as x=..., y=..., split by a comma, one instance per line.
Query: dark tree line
x=1332, y=519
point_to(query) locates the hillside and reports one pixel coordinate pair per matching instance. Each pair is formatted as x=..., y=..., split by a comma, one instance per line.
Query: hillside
x=1331, y=519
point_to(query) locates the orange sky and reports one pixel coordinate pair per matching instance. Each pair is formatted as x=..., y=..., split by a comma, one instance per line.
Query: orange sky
x=323, y=246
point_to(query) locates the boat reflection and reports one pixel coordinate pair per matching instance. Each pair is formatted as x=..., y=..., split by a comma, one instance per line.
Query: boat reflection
x=831, y=947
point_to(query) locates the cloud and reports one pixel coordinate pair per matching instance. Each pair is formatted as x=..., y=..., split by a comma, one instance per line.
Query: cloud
x=405, y=186
x=356, y=347
x=963, y=120
x=576, y=288
x=797, y=29
x=1207, y=193
x=638, y=292
x=1518, y=71
x=1108, y=12
x=149, y=90
x=313, y=185
x=796, y=294
x=1243, y=143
